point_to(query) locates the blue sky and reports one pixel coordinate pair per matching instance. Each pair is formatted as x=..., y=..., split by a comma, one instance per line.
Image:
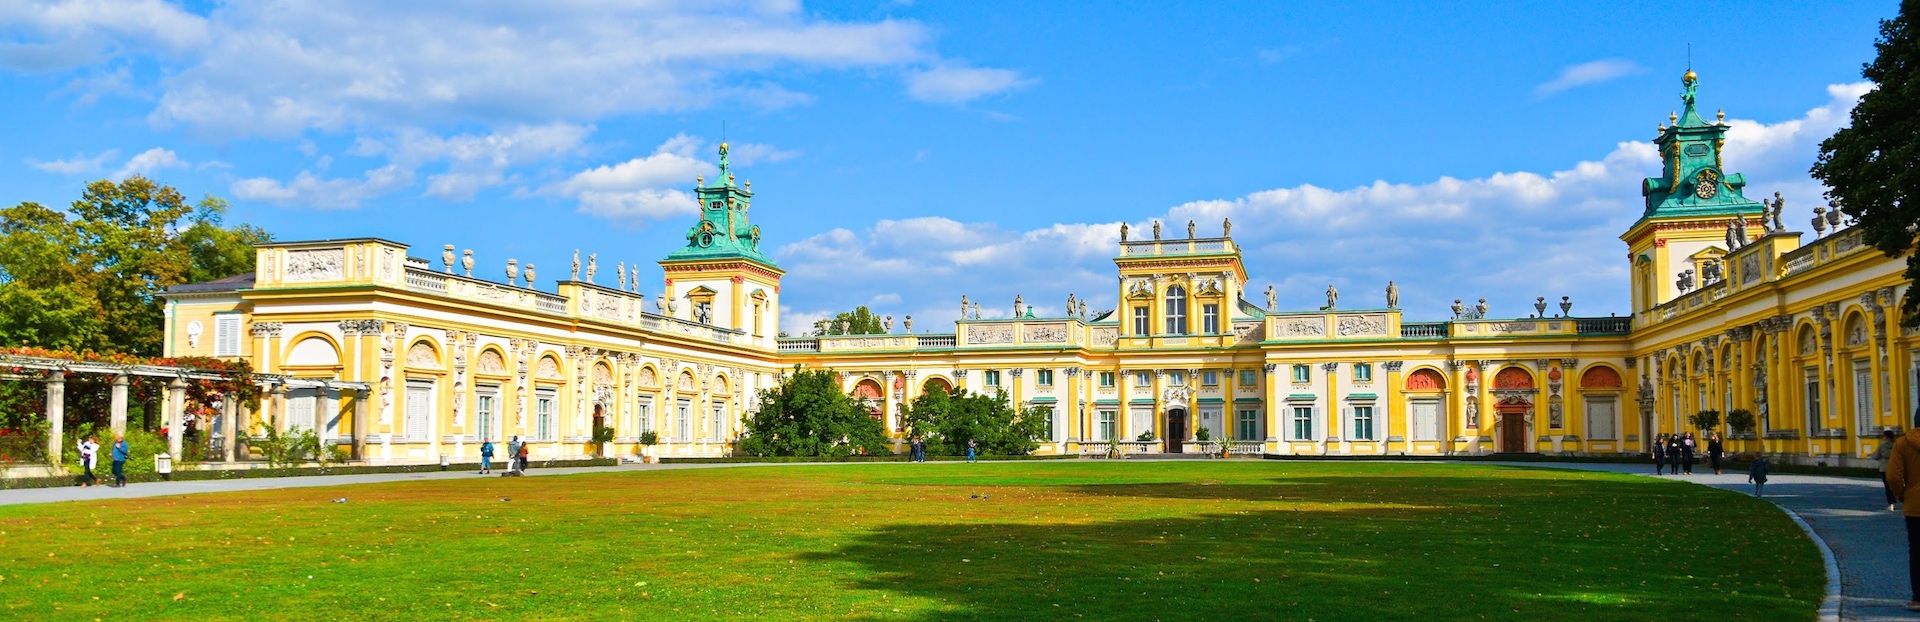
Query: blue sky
x=905, y=153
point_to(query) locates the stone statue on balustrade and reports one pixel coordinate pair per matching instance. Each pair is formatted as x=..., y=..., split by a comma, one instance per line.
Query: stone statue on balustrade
x=593, y=265
x=1272, y=300
x=1123, y=232
x=576, y=264
x=963, y=306
x=1018, y=304
x=1071, y=300
x=1156, y=230
x=1333, y=298
x=1393, y=295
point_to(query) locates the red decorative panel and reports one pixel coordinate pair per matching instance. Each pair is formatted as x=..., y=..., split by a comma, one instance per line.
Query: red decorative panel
x=1425, y=380
x=867, y=390
x=1513, y=378
x=1601, y=378
x=936, y=384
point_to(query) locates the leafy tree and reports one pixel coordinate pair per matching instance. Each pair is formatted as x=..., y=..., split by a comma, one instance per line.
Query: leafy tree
x=1705, y=420
x=949, y=420
x=1872, y=166
x=89, y=278
x=808, y=415
x=859, y=321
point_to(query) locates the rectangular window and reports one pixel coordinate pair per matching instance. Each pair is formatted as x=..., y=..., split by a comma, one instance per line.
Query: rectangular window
x=1107, y=420
x=1177, y=379
x=1106, y=380
x=643, y=415
x=226, y=334
x=683, y=421
x=1363, y=372
x=543, y=408
x=328, y=408
x=1813, y=400
x=1363, y=423
x=419, y=414
x=1426, y=420
x=1246, y=425
x=484, y=406
x=1210, y=319
x=1209, y=378
x=993, y=377
x=1142, y=325
x=1044, y=377
x=1142, y=379
x=1601, y=424
x=1140, y=422
x=1248, y=378
x=1301, y=373
x=1302, y=423
x=1176, y=316
x=1863, y=395
x=1046, y=415
x=1214, y=422
x=719, y=420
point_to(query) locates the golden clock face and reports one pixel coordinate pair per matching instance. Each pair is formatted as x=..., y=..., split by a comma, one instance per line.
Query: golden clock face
x=1707, y=184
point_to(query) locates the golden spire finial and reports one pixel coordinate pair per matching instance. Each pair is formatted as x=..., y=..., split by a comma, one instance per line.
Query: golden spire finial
x=1721, y=116
x=1673, y=117
x=1690, y=77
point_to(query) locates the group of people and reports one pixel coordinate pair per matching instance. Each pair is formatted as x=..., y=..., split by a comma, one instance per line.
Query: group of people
x=1675, y=453
x=917, y=450
x=516, y=456
x=89, y=458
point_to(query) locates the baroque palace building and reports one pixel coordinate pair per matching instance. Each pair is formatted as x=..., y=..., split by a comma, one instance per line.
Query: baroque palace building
x=1730, y=310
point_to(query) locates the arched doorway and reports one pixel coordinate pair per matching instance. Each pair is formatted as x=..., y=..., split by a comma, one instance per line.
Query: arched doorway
x=1176, y=429
x=1514, y=387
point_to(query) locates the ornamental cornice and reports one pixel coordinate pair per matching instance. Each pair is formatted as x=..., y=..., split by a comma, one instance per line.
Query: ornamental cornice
x=709, y=266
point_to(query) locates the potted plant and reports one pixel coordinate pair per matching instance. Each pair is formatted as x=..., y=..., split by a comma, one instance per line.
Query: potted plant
x=1741, y=421
x=648, y=439
x=601, y=436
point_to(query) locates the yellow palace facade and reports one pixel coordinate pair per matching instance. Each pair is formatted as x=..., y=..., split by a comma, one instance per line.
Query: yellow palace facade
x=1730, y=310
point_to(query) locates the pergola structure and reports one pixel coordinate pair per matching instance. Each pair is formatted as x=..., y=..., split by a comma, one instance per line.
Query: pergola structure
x=53, y=371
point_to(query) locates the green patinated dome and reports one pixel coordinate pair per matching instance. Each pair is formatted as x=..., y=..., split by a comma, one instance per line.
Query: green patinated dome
x=1691, y=181
x=723, y=231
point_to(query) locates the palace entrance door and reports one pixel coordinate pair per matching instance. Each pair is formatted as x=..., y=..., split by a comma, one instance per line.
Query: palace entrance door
x=1176, y=429
x=1513, y=427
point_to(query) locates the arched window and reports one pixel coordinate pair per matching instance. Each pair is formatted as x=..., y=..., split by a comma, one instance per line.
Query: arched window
x=1176, y=310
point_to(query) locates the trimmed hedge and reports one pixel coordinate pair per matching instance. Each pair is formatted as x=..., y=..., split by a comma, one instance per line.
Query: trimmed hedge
x=106, y=475
x=1470, y=458
x=895, y=458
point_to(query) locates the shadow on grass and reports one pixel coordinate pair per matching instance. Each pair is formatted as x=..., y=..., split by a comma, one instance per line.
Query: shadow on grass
x=1363, y=548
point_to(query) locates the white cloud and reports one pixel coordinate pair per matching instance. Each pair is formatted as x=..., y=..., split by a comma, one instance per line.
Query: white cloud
x=280, y=67
x=1592, y=72
x=79, y=164
x=746, y=154
x=474, y=162
x=149, y=161
x=959, y=85
x=652, y=187
x=308, y=190
x=1508, y=237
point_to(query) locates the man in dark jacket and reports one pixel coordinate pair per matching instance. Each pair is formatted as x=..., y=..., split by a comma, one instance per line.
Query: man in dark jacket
x=1903, y=476
x=1660, y=454
x=120, y=451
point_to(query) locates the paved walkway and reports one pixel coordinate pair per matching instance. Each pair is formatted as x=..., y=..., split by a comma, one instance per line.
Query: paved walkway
x=1848, y=513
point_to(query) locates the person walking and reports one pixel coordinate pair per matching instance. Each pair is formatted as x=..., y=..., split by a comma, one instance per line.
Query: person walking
x=89, y=451
x=1715, y=450
x=486, y=456
x=1903, y=475
x=1883, y=453
x=971, y=455
x=524, y=452
x=120, y=451
x=1757, y=474
x=513, y=454
x=1659, y=454
x=1687, y=453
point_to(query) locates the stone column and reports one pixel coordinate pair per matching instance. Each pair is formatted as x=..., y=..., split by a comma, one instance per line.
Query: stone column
x=360, y=412
x=229, y=427
x=277, y=397
x=119, y=404
x=176, y=408
x=56, y=416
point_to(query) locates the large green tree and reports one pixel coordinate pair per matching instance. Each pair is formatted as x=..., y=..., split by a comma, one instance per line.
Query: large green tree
x=808, y=415
x=949, y=420
x=88, y=278
x=1872, y=166
x=859, y=321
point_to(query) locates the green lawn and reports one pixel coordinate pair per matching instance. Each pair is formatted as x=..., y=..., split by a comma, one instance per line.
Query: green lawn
x=1103, y=541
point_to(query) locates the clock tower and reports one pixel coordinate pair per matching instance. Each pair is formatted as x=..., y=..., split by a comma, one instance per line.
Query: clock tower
x=720, y=278
x=1688, y=207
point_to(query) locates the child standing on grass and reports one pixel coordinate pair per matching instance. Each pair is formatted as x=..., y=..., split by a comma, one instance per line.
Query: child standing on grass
x=1757, y=474
x=486, y=456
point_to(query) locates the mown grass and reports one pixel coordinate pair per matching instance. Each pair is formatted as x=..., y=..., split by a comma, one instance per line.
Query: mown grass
x=1007, y=541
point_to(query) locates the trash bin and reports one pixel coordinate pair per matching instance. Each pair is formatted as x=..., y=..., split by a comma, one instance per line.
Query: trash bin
x=163, y=464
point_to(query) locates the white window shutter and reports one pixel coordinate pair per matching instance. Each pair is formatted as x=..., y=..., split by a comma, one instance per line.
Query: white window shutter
x=226, y=335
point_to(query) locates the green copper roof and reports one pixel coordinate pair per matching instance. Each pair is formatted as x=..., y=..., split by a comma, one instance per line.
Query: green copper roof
x=723, y=231
x=1691, y=182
